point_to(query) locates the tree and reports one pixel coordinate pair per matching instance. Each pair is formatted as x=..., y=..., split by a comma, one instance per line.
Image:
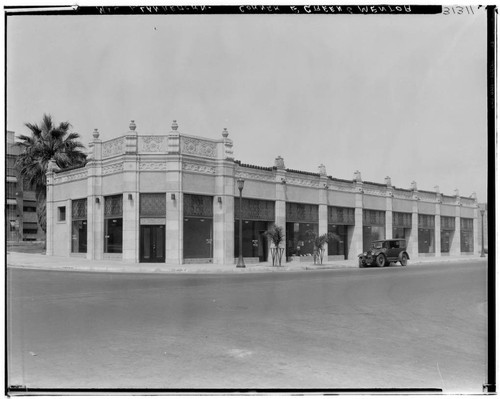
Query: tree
x=319, y=242
x=47, y=141
x=276, y=235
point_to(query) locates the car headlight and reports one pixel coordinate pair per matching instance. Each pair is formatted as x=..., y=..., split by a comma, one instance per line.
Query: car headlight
x=365, y=253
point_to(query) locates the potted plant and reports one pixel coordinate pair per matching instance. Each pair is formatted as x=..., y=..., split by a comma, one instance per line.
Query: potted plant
x=319, y=242
x=276, y=235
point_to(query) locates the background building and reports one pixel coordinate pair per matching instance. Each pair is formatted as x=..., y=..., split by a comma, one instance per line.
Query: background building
x=21, y=223
x=173, y=198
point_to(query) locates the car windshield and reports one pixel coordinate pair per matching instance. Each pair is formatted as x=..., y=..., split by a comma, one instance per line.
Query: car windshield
x=377, y=245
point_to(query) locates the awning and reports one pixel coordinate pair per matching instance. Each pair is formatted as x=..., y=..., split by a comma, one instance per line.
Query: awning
x=11, y=202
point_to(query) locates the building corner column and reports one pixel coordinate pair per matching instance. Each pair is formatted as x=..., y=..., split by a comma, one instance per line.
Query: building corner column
x=413, y=239
x=95, y=205
x=223, y=203
x=50, y=211
x=457, y=236
x=437, y=225
x=389, y=195
x=323, y=205
x=280, y=203
x=356, y=240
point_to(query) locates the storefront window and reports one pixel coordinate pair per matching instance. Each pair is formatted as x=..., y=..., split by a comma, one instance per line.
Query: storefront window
x=198, y=226
x=466, y=235
x=373, y=227
x=426, y=242
x=113, y=224
x=254, y=242
x=447, y=233
x=338, y=246
x=79, y=226
x=299, y=243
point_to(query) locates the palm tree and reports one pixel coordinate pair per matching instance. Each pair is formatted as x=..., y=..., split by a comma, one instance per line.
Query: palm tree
x=319, y=242
x=47, y=141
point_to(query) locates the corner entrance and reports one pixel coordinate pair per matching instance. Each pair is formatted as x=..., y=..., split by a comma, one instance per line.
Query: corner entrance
x=152, y=248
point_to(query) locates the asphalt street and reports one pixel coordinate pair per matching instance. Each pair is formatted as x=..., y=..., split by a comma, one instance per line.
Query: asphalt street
x=422, y=326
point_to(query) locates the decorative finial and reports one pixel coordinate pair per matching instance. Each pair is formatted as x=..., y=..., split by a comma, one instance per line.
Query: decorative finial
x=388, y=181
x=322, y=170
x=225, y=133
x=174, y=125
x=357, y=176
x=414, y=185
x=437, y=189
x=279, y=162
x=95, y=134
x=457, y=193
x=132, y=125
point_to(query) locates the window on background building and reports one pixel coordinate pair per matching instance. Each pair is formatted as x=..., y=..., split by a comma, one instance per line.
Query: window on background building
x=301, y=218
x=29, y=208
x=466, y=235
x=447, y=233
x=79, y=225
x=426, y=242
x=113, y=224
x=373, y=227
x=198, y=226
x=61, y=213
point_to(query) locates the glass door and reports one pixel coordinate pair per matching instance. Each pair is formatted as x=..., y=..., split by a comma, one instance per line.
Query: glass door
x=152, y=248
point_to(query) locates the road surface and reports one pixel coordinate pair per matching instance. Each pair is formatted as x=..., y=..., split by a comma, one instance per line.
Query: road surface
x=423, y=326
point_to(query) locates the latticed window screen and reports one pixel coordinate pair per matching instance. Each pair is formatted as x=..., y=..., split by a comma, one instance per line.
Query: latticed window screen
x=253, y=209
x=466, y=224
x=296, y=212
x=447, y=223
x=79, y=209
x=198, y=205
x=339, y=215
x=400, y=219
x=113, y=206
x=153, y=205
x=426, y=221
x=373, y=218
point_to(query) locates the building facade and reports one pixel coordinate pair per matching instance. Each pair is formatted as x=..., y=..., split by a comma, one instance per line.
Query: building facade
x=21, y=222
x=174, y=199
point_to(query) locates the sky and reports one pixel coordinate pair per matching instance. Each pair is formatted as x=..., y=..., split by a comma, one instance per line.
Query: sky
x=399, y=96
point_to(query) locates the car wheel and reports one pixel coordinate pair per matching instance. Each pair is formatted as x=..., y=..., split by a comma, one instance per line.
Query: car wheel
x=361, y=264
x=404, y=260
x=380, y=260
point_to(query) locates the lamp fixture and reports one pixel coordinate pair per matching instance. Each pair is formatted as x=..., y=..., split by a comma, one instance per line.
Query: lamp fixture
x=219, y=200
x=172, y=197
x=130, y=197
x=97, y=200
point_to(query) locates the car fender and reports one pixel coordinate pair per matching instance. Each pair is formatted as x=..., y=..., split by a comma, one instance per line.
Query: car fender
x=401, y=255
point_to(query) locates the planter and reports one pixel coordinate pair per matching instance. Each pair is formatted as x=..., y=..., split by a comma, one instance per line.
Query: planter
x=276, y=255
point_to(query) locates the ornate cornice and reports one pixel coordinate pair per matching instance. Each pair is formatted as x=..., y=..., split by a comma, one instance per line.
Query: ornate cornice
x=152, y=144
x=152, y=166
x=198, y=147
x=197, y=168
x=113, y=147
x=113, y=168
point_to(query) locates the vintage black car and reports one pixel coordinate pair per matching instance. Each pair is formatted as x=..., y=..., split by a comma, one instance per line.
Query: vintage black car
x=383, y=252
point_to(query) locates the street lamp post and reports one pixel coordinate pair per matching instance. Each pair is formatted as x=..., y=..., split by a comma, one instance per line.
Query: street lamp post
x=240, y=263
x=482, y=233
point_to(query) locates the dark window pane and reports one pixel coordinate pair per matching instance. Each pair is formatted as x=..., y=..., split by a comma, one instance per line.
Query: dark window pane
x=113, y=235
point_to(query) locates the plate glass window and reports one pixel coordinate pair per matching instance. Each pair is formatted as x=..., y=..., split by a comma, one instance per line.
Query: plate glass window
x=79, y=225
x=113, y=224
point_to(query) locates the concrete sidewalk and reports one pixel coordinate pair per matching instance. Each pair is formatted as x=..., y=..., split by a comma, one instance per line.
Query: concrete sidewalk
x=44, y=262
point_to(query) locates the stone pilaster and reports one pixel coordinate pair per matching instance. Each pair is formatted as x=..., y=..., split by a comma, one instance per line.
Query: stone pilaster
x=388, y=208
x=413, y=239
x=476, y=226
x=437, y=223
x=131, y=198
x=51, y=213
x=174, y=230
x=455, y=247
x=280, y=203
x=95, y=201
x=224, y=204
x=323, y=205
x=356, y=240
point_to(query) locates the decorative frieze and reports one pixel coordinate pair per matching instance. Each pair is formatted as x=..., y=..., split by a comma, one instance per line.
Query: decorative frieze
x=302, y=182
x=113, y=147
x=198, y=147
x=113, y=168
x=152, y=166
x=152, y=144
x=71, y=177
x=374, y=190
x=197, y=168
x=408, y=195
x=254, y=176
